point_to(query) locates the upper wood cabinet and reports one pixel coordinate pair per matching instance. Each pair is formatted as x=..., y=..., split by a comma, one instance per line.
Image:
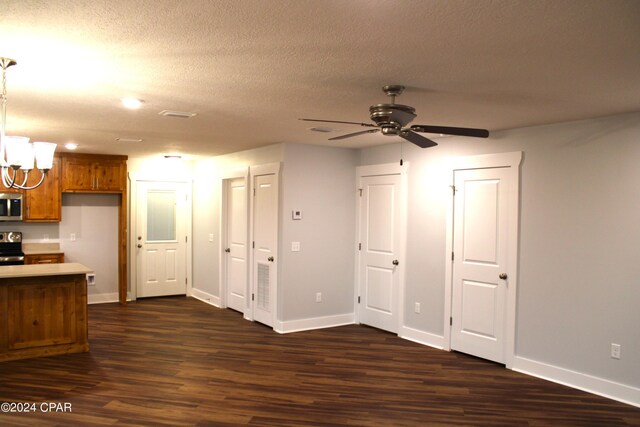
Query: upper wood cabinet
x=94, y=173
x=43, y=204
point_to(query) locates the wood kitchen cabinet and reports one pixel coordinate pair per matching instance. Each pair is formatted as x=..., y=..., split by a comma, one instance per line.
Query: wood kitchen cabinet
x=84, y=173
x=44, y=259
x=44, y=204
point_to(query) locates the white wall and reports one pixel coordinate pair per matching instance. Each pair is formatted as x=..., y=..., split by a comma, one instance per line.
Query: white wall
x=206, y=213
x=93, y=218
x=579, y=240
x=320, y=181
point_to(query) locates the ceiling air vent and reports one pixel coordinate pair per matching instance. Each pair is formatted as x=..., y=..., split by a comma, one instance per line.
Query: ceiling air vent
x=178, y=114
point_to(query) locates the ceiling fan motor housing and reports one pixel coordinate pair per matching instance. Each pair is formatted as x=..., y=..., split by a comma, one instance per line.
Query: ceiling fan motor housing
x=392, y=117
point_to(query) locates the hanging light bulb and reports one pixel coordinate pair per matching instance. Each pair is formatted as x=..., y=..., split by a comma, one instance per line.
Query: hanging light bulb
x=16, y=152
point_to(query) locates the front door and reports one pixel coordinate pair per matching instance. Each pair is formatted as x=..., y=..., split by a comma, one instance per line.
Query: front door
x=161, y=241
x=236, y=243
x=265, y=235
x=480, y=243
x=378, y=269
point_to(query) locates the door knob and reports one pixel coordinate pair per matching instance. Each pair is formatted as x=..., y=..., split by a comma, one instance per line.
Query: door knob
x=503, y=276
x=139, y=245
x=395, y=262
x=227, y=250
x=139, y=237
x=270, y=259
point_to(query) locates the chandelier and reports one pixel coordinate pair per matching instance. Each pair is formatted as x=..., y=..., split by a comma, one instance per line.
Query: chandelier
x=16, y=152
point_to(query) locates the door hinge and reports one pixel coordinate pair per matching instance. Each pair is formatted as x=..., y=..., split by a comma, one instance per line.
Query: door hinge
x=185, y=280
x=185, y=239
x=253, y=297
x=254, y=192
x=253, y=245
x=358, y=300
x=452, y=256
x=450, y=321
x=359, y=246
x=453, y=189
x=360, y=190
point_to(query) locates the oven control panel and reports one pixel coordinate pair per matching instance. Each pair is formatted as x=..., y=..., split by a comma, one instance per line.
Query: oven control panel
x=10, y=237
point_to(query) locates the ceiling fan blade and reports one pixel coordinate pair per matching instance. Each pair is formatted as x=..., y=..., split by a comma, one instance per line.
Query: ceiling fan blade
x=478, y=133
x=419, y=140
x=338, y=121
x=349, y=135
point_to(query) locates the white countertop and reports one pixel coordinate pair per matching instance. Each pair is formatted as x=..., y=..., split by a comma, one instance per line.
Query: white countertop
x=33, y=270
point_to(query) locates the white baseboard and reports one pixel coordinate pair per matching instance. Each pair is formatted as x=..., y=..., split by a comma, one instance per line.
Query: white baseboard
x=205, y=297
x=102, y=298
x=285, y=327
x=605, y=388
x=421, y=337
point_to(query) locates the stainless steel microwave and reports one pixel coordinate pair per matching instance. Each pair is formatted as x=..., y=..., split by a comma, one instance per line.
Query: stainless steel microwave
x=10, y=207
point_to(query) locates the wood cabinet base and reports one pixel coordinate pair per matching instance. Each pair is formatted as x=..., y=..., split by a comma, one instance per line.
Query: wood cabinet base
x=43, y=316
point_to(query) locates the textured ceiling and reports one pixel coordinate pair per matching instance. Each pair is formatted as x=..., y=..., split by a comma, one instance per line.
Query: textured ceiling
x=250, y=69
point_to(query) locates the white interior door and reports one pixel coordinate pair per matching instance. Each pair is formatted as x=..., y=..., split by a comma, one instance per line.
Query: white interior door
x=265, y=235
x=161, y=246
x=236, y=243
x=378, y=270
x=481, y=219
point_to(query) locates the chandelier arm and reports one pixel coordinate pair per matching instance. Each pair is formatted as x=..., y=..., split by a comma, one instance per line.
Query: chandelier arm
x=44, y=174
x=7, y=180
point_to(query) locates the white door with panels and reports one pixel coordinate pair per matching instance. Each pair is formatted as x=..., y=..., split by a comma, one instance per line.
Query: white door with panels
x=161, y=238
x=265, y=242
x=235, y=257
x=381, y=210
x=481, y=256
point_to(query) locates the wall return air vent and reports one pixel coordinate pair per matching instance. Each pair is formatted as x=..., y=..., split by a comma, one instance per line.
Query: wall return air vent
x=178, y=114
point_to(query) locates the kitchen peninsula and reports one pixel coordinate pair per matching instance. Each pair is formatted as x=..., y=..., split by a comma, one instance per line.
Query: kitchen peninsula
x=43, y=310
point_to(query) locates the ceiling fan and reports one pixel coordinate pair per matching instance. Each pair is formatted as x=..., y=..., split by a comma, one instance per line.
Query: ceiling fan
x=392, y=119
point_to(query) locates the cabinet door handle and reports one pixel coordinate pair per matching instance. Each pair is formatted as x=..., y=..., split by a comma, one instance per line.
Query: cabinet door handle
x=45, y=261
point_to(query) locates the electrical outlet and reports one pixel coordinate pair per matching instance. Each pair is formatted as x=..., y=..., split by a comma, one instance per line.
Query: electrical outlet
x=295, y=246
x=318, y=296
x=211, y=237
x=72, y=237
x=417, y=308
x=615, y=351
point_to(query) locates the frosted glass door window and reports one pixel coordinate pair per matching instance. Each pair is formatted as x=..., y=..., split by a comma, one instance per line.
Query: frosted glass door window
x=161, y=215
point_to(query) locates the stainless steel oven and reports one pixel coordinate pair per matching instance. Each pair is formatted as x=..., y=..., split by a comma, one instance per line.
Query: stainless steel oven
x=10, y=207
x=11, y=248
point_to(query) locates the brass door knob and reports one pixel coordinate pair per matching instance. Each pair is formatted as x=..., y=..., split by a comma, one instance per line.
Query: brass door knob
x=503, y=276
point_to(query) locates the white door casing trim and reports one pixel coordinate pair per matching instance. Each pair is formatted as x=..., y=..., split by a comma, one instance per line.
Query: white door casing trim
x=135, y=178
x=512, y=161
x=225, y=177
x=376, y=170
x=254, y=171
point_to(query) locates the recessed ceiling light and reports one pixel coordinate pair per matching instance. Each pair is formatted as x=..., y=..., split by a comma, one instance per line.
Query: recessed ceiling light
x=129, y=139
x=70, y=146
x=132, y=103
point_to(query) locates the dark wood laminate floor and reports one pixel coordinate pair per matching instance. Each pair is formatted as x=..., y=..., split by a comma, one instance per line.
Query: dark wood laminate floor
x=177, y=362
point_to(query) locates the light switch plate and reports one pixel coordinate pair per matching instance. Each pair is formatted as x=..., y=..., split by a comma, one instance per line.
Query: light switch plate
x=295, y=246
x=296, y=214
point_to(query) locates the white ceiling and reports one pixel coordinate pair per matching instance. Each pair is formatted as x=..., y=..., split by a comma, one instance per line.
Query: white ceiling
x=251, y=68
